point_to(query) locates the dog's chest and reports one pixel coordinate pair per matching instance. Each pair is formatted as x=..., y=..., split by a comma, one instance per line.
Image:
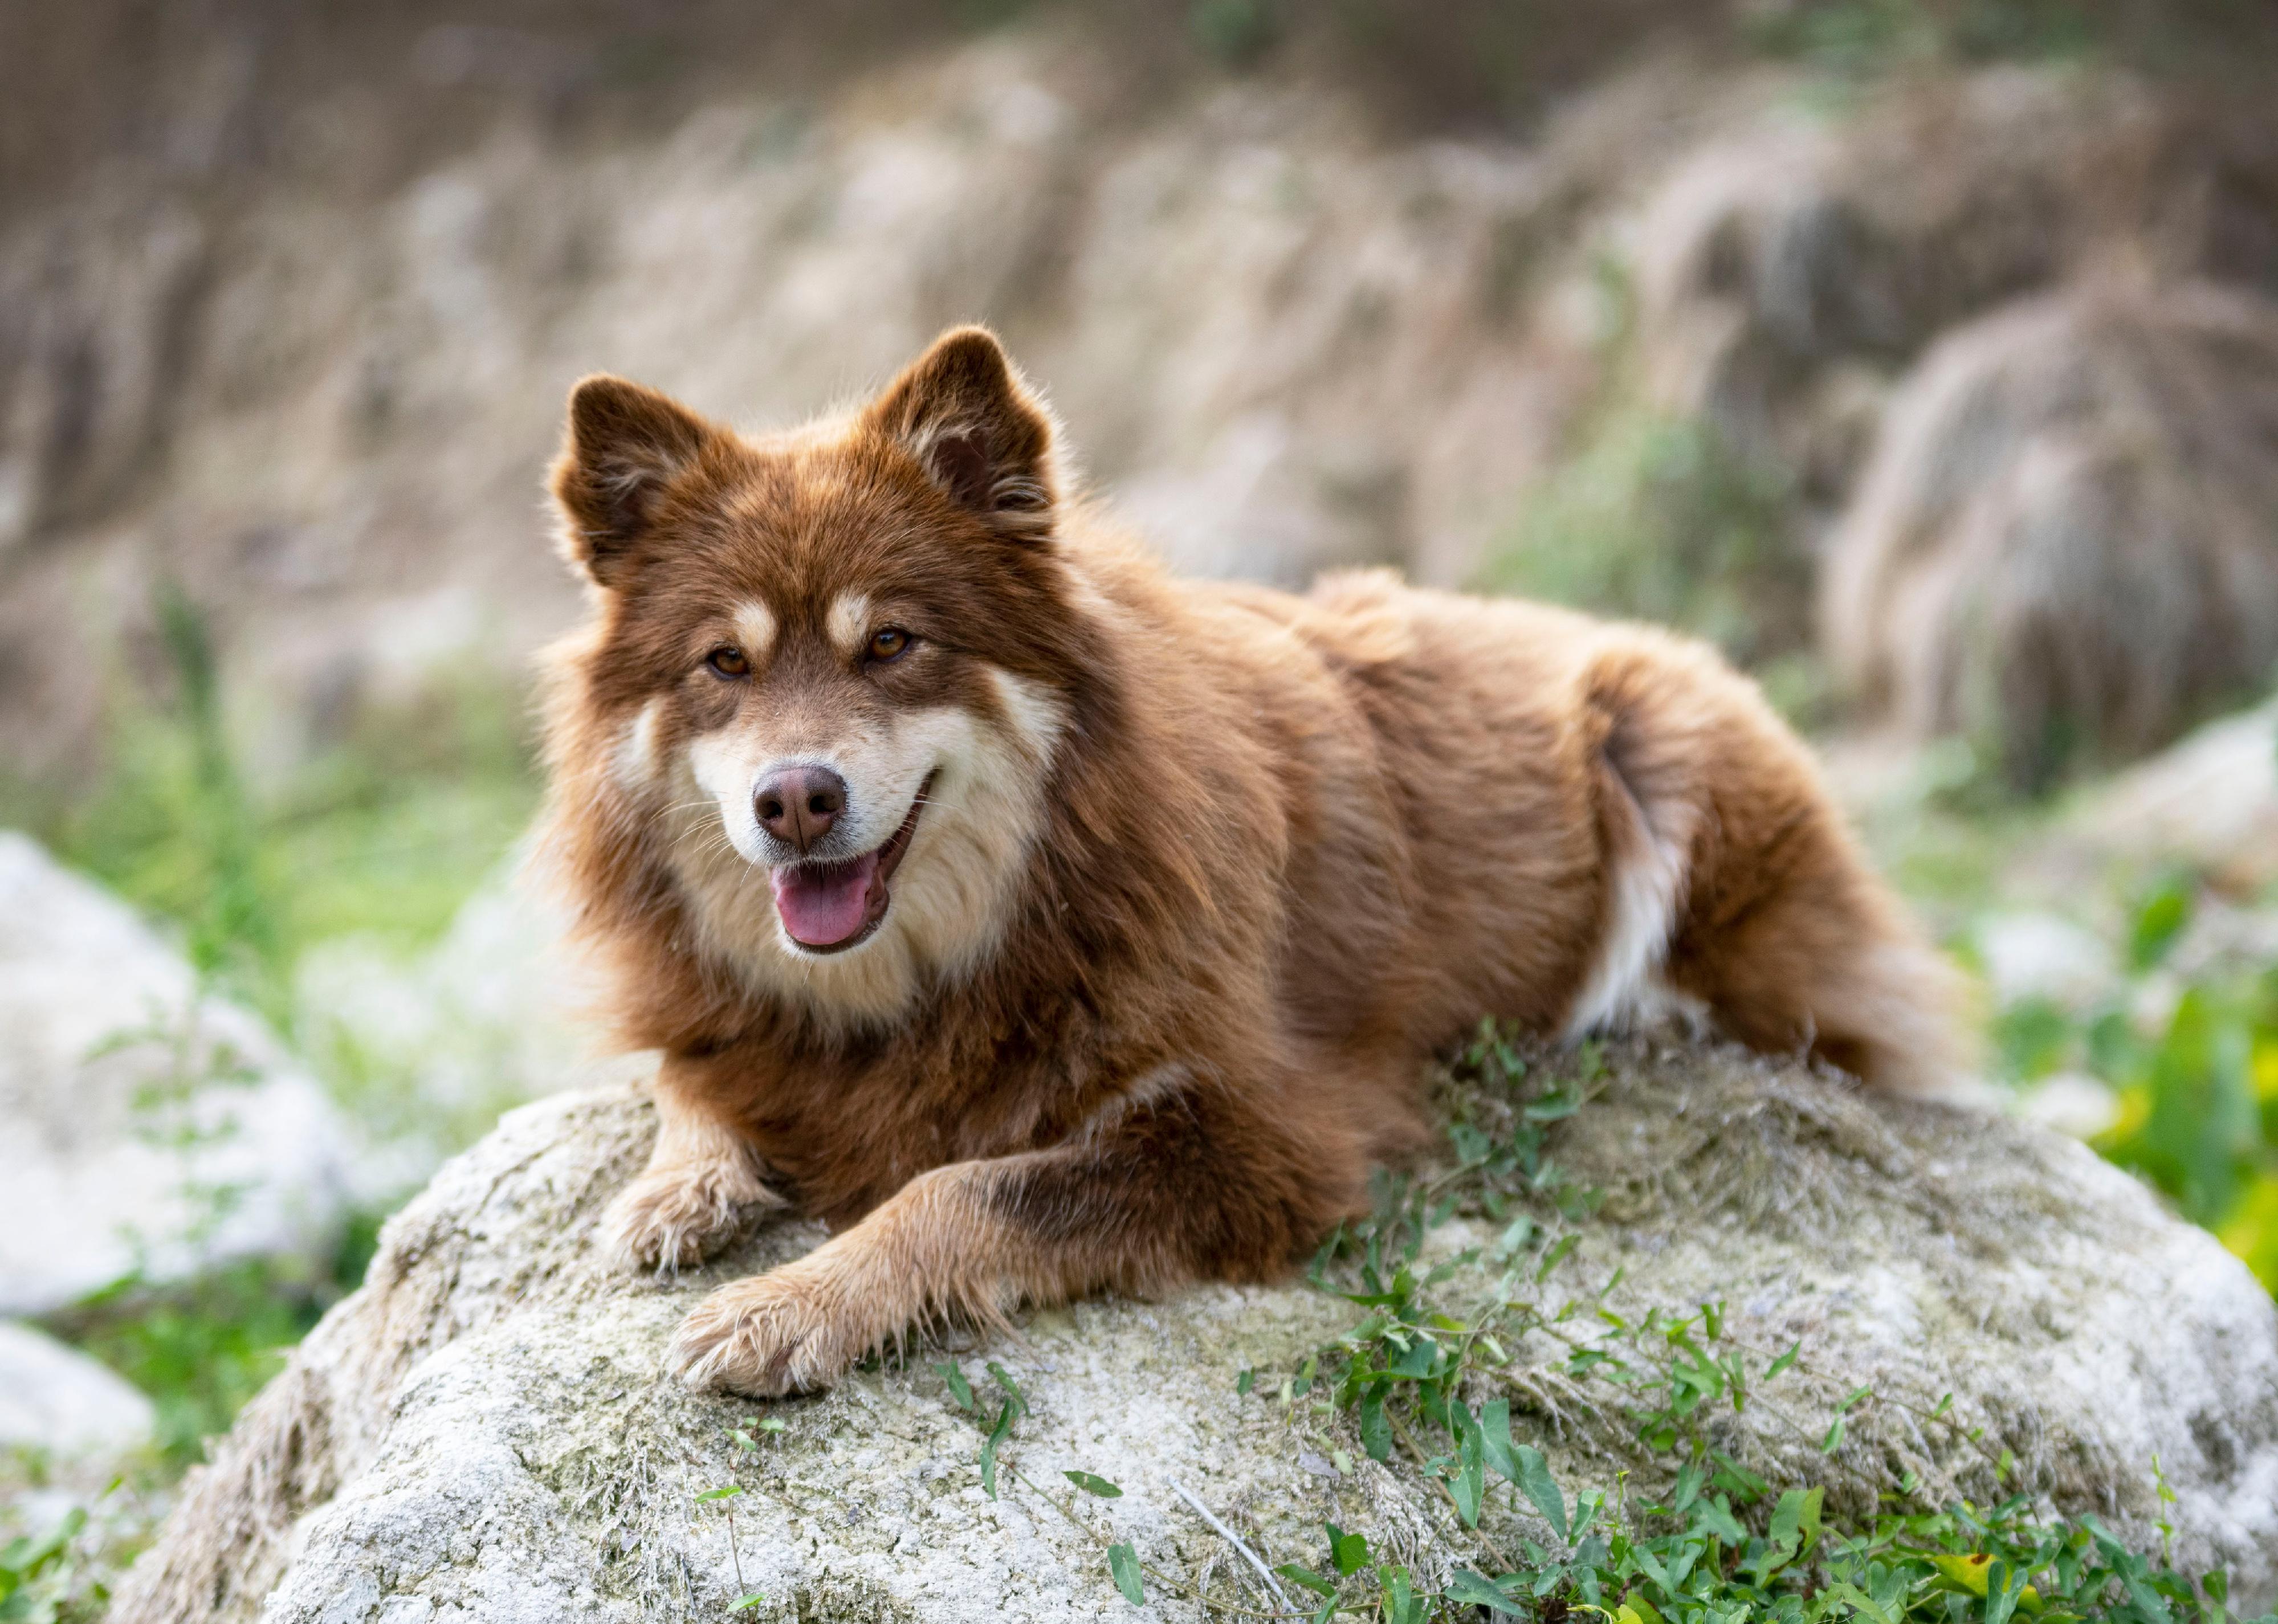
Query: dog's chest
x=845, y=1135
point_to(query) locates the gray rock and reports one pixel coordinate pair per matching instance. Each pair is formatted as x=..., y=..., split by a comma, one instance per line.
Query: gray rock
x=59, y=1402
x=2073, y=1103
x=2039, y=955
x=143, y=1124
x=2209, y=801
x=485, y=1427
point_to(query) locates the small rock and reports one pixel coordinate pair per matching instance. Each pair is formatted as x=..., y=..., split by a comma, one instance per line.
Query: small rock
x=144, y=1125
x=2042, y=956
x=56, y=1399
x=2209, y=801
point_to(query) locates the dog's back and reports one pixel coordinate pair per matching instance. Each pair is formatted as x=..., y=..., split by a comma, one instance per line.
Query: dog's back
x=1576, y=824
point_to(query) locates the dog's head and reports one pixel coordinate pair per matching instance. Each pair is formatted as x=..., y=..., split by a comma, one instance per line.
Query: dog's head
x=826, y=666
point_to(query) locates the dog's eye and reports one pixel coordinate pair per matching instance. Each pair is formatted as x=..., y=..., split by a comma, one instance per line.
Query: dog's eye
x=729, y=662
x=891, y=643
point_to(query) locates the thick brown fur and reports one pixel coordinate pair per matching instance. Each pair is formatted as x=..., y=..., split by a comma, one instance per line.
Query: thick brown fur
x=1197, y=878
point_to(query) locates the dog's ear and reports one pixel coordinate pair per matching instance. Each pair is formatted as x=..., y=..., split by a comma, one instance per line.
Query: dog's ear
x=975, y=427
x=625, y=446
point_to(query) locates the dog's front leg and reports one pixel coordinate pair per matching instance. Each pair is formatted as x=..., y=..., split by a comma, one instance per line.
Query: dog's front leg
x=702, y=1180
x=1196, y=1183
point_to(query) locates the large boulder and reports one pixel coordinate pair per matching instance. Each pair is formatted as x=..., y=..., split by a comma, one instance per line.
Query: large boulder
x=486, y=1430
x=146, y=1127
x=2063, y=544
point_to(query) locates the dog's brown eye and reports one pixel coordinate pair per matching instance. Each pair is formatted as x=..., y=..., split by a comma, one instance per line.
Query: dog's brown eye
x=890, y=643
x=728, y=662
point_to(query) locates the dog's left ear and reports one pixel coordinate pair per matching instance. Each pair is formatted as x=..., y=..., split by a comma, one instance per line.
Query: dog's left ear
x=971, y=422
x=623, y=450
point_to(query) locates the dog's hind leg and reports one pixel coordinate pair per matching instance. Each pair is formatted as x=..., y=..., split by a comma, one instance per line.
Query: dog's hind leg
x=1183, y=1180
x=1734, y=888
x=1831, y=969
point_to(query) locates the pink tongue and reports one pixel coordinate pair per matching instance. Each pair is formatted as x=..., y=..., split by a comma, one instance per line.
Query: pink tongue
x=824, y=905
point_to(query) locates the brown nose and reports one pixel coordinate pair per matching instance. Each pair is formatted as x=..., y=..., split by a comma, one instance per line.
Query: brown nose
x=798, y=804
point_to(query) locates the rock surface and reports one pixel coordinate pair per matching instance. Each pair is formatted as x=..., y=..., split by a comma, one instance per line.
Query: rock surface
x=484, y=1431
x=143, y=1125
x=59, y=1402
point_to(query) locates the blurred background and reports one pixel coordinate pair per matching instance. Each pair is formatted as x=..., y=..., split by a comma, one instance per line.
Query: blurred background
x=1922, y=353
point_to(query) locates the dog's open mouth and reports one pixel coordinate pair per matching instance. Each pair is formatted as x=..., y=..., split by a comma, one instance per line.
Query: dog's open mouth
x=829, y=907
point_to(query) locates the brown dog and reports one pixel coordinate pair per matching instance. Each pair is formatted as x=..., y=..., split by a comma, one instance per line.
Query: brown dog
x=1048, y=925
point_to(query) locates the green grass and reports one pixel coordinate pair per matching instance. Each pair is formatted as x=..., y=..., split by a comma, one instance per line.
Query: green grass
x=1864, y=38
x=59, y=1576
x=1654, y=517
x=384, y=832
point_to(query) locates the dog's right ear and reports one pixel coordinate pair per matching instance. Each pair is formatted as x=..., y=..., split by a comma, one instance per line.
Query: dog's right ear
x=625, y=446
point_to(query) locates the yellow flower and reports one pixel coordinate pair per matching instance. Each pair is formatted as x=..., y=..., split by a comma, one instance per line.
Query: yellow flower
x=1971, y=1571
x=2251, y=1230
x=2265, y=1068
x=2134, y=1111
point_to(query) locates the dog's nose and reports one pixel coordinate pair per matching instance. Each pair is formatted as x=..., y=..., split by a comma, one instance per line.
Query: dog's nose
x=798, y=804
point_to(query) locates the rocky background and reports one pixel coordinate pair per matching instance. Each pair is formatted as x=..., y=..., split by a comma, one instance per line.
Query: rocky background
x=1922, y=353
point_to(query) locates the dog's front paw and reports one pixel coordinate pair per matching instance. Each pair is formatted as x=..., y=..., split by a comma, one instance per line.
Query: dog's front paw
x=674, y=1216
x=792, y=1329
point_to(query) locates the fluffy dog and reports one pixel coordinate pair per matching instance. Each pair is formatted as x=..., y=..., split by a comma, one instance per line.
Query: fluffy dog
x=1048, y=925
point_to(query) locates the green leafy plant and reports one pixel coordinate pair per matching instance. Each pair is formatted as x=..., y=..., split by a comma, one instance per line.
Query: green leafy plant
x=384, y=832
x=26, y=1564
x=724, y=1496
x=2197, y=1086
x=62, y=1573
